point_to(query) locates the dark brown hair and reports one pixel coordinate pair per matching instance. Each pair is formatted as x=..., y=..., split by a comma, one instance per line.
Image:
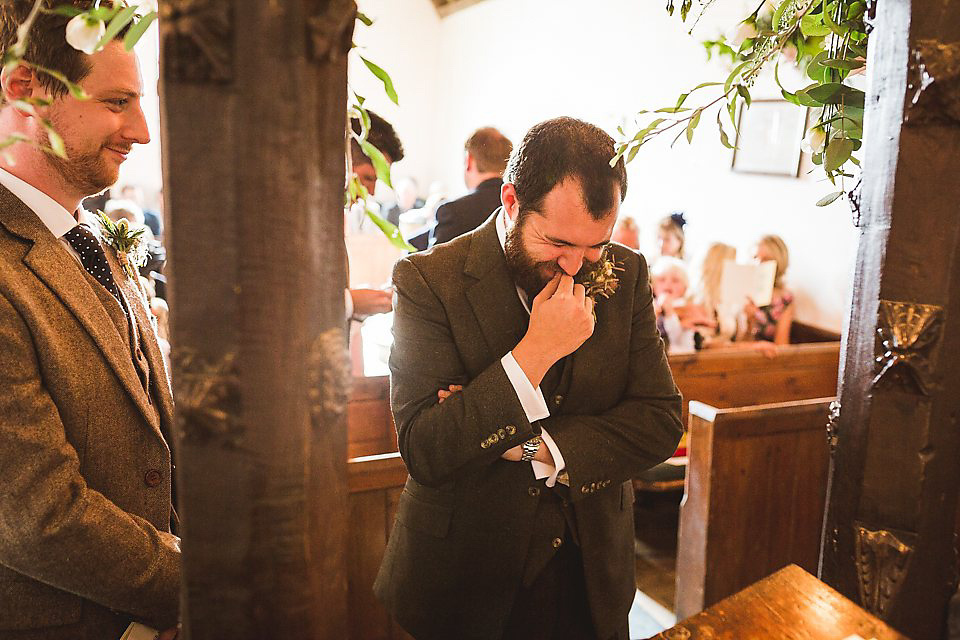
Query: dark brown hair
x=46, y=43
x=566, y=148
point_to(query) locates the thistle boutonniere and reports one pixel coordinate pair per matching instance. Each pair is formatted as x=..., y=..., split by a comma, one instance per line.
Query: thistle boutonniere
x=126, y=242
x=601, y=280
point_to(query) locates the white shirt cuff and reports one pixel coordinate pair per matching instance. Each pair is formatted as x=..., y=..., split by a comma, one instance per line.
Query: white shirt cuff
x=531, y=398
x=543, y=470
x=347, y=303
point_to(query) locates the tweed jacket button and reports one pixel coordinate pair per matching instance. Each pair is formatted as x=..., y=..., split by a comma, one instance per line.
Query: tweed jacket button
x=502, y=433
x=485, y=444
x=534, y=491
x=152, y=478
x=557, y=399
x=511, y=429
x=557, y=542
x=584, y=489
x=494, y=438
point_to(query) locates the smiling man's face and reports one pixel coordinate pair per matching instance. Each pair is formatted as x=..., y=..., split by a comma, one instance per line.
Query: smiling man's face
x=98, y=133
x=563, y=237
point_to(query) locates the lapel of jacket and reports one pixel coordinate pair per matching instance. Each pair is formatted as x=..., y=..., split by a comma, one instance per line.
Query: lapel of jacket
x=491, y=291
x=53, y=264
x=147, y=340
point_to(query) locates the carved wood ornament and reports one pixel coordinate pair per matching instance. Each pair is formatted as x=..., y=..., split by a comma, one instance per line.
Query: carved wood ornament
x=197, y=37
x=907, y=335
x=882, y=561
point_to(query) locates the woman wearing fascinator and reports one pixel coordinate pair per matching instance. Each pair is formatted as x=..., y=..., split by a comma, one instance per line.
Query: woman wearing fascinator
x=670, y=235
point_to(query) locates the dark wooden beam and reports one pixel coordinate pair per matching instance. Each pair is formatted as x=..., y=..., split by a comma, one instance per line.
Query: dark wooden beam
x=253, y=114
x=888, y=541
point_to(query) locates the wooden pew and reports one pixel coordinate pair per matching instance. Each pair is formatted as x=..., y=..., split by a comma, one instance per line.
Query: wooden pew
x=740, y=377
x=754, y=497
x=375, y=485
x=370, y=429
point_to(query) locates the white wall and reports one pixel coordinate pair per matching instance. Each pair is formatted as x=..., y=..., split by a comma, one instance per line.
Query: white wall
x=512, y=63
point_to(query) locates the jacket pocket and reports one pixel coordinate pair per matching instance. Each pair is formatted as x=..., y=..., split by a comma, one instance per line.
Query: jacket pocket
x=28, y=604
x=426, y=517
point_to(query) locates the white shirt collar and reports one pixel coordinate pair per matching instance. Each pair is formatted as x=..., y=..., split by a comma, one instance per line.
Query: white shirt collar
x=51, y=213
x=501, y=223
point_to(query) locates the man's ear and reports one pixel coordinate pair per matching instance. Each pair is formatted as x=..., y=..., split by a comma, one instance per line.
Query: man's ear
x=508, y=197
x=18, y=84
x=468, y=161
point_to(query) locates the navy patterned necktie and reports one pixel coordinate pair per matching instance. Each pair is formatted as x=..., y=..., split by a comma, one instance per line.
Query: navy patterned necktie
x=93, y=259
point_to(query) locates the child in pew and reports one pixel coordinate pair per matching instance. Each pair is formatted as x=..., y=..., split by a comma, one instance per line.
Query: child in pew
x=676, y=320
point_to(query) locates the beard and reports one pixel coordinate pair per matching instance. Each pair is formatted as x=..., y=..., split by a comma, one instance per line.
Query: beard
x=87, y=172
x=528, y=273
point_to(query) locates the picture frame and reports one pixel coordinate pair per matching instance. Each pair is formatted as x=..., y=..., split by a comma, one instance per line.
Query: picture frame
x=768, y=138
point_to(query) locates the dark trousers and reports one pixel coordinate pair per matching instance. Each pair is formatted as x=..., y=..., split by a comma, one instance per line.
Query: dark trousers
x=555, y=606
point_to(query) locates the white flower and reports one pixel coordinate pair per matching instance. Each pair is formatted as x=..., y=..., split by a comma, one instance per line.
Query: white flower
x=145, y=6
x=84, y=35
x=814, y=140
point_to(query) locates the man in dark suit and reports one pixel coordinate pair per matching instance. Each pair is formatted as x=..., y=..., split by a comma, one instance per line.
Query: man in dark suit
x=485, y=157
x=85, y=510
x=517, y=518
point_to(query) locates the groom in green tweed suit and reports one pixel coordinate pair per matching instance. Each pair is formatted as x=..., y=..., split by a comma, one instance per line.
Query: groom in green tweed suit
x=85, y=468
x=523, y=409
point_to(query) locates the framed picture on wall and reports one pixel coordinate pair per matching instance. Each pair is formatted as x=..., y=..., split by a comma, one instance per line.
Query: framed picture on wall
x=769, y=138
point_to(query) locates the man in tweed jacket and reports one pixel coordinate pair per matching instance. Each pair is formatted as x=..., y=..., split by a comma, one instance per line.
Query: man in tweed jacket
x=517, y=518
x=85, y=471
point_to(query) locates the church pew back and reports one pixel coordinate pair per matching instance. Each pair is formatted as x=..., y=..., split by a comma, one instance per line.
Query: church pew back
x=726, y=378
x=754, y=497
x=375, y=485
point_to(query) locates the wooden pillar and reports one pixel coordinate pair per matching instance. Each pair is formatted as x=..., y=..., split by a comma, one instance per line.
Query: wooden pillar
x=888, y=535
x=254, y=96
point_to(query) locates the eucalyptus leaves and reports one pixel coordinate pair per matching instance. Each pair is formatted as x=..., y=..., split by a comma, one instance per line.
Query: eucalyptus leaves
x=827, y=37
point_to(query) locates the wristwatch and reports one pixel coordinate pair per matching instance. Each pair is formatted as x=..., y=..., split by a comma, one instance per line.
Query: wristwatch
x=530, y=448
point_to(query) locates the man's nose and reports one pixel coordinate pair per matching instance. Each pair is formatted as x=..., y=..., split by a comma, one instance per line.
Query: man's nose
x=570, y=261
x=136, y=125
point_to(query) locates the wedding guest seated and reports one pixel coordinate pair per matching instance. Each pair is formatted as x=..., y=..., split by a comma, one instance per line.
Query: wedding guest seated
x=627, y=233
x=771, y=323
x=670, y=282
x=707, y=296
x=670, y=236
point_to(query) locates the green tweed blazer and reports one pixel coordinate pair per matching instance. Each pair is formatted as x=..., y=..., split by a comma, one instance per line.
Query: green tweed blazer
x=85, y=472
x=466, y=518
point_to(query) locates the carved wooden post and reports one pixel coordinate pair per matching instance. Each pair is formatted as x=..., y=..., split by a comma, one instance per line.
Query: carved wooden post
x=888, y=540
x=254, y=95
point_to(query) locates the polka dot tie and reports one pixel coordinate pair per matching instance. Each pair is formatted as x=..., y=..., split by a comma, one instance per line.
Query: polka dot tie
x=93, y=258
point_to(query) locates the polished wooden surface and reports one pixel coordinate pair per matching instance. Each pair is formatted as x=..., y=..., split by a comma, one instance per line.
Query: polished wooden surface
x=741, y=377
x=370, y=429
x=754, y=497
x=788, y=605
x=375, y=486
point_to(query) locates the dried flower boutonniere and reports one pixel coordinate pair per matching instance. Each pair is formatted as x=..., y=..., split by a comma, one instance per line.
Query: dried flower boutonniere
x=601, y=280
x=127, y=242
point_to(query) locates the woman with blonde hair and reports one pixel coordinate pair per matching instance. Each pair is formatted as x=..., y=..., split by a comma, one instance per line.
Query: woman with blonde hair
x=772, y=322
x=708, y=294
x=670, y=235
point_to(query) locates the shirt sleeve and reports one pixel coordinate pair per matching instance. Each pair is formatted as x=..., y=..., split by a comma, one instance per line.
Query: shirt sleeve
x=535, y=407
x=347, y=304
x=531, y=398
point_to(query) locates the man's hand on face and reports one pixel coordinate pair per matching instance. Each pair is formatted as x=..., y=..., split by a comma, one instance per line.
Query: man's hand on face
x=560, y=321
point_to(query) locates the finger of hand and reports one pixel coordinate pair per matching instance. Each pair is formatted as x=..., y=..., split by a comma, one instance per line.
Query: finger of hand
x=443, y=393
x=548, y=290
x=588, y=305
x=456, y=387
x=579, y=292
x=565, y=285
x=513, y=454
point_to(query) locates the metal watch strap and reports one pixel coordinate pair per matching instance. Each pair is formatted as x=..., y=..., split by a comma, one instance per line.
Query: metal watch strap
x=530, y=448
